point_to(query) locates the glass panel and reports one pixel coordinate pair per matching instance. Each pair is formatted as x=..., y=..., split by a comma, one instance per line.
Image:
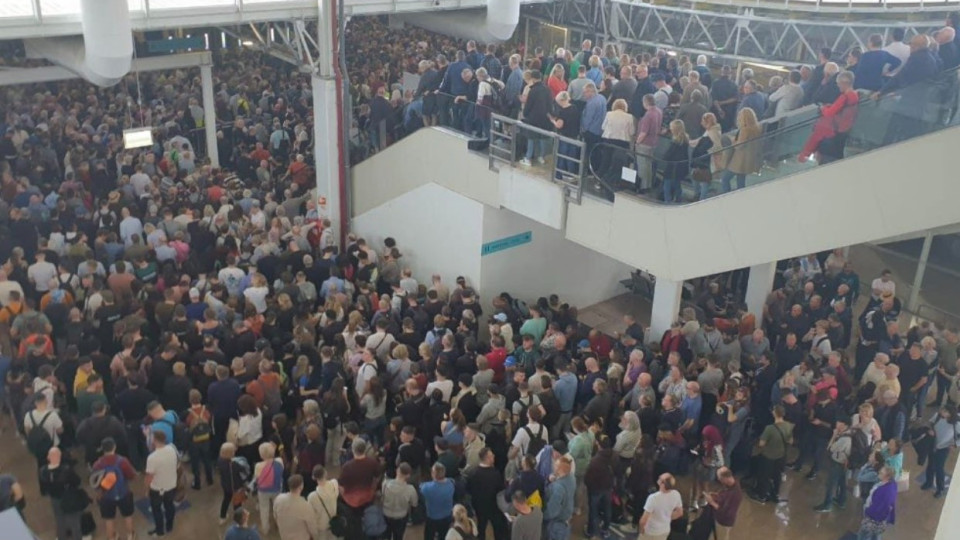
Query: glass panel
x=186, y=4
x=16, y=8
x=924, y=107
x=135, y=5
x=275, y=2
x=59, y=7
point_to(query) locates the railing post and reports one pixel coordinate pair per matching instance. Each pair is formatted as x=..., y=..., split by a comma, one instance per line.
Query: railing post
x=513, y=143
x=556, y=158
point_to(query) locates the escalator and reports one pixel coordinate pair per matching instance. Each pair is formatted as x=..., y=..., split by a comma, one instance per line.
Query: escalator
x=893, y=175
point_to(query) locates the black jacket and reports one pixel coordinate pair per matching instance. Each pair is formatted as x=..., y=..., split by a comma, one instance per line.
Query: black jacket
x=537, y=107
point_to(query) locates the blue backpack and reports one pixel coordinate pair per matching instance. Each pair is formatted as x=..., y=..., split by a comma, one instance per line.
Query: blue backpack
x=110, y=482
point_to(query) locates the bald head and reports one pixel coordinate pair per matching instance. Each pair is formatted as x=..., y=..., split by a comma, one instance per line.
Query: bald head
x=919, y=42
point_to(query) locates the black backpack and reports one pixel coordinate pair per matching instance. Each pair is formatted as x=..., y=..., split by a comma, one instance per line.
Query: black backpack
x=859, y=449
x=182, y=438
x=498, y=97
x=39, y=441
x=537, y=443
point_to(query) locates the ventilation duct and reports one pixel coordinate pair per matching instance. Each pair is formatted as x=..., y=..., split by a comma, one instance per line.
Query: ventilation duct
x=502, y=17
x=103, y=54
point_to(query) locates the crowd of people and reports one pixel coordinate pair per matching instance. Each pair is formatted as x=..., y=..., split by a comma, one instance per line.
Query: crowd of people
x=671, y=110
x=159, y=315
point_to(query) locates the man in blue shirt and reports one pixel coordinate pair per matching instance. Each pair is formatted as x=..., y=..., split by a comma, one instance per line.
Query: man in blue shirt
x=514, y=85
x=752, y=99
x=594, y=110
x=438, y=498
x=565, y=390
x=559, y=501
x=691, y=406
x=453, y=83
x=474, y=58
x=874, y=65
x=595, y=73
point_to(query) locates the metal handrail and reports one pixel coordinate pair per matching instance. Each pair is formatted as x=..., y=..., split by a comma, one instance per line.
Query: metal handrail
x=503, y=150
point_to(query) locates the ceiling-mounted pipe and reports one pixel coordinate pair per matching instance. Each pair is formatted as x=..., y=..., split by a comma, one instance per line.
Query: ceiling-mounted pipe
x=105, y=52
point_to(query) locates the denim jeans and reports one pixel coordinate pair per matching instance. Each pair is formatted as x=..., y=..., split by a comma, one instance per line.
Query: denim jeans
x=567, y=150
x=863, y=535
x=671, y=190
x=727, y=176
x=935, y=473
x=533, y=144
x=704, y=190
x=943, y=387
x=836, y=484
x=600, y=505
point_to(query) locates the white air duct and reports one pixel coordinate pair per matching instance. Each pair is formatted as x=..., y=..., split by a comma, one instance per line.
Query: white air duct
x=502, y=17
x=104, y=54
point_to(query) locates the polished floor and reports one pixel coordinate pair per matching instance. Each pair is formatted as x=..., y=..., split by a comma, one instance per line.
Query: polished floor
x=917, y=513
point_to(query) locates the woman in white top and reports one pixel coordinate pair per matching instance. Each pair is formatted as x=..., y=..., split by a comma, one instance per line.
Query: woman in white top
x=249, y=428
x=820, y=346
x=865, y=422
x=619, y=128
x=323, y=500
x=462, y=527
x=257, y=292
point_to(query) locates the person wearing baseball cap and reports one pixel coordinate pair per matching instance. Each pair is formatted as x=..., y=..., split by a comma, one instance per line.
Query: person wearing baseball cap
x=111, y=477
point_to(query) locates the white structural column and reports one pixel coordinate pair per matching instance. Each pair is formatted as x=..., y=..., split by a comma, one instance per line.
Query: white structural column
x=326, y=126
x=666, y=307
x=921, y=268
x=759, y=286
x=209, y=113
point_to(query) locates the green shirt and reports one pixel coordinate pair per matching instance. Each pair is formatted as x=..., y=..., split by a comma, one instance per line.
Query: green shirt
x=535, y=327
x=947, y=354
x=775, y=438
x=86, y=401
x=581, y=448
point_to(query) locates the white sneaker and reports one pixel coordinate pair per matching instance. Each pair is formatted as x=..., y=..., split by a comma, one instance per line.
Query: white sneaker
x=525, y=162
x=541, y=161
x=628, y=528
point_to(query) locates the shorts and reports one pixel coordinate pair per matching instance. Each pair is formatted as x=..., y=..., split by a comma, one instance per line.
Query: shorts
x=108, y=508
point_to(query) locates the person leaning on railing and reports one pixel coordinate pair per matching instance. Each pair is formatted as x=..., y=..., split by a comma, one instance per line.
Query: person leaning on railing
x=618, y=130
x=567, y=123
x=745, y=154
x=830, y=132
x=907, y=120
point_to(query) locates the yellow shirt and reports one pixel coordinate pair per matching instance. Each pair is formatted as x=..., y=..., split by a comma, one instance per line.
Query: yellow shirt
x=80, y=381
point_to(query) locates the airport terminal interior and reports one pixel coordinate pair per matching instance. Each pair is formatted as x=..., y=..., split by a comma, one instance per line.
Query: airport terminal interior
x=479, y=269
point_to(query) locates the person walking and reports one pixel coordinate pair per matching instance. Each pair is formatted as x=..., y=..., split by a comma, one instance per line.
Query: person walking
x=661, y=509
x=879, y=511
x=294, y=515
x=839, y=448
x=268, y=476
x=161, y=482
x=945, y=429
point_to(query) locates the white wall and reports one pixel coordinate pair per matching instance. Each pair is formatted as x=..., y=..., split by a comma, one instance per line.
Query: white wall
x=891, y=191
x=548, y=264
x=437, y=231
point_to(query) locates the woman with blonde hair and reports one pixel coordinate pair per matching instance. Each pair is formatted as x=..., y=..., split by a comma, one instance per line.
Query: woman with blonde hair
x=707, y=153
x=355, y=327
x=676, y=161
x=256, y=293
x=268, y=479
x=462, y=527
x=618, y=130
x=745, y=154
x=556, y=81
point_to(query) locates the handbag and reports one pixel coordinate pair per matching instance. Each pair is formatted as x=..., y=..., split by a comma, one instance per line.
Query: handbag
x=873, y=527
x=701, y=175
x=239, y=495
x=338, y=523
x=903, y=483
